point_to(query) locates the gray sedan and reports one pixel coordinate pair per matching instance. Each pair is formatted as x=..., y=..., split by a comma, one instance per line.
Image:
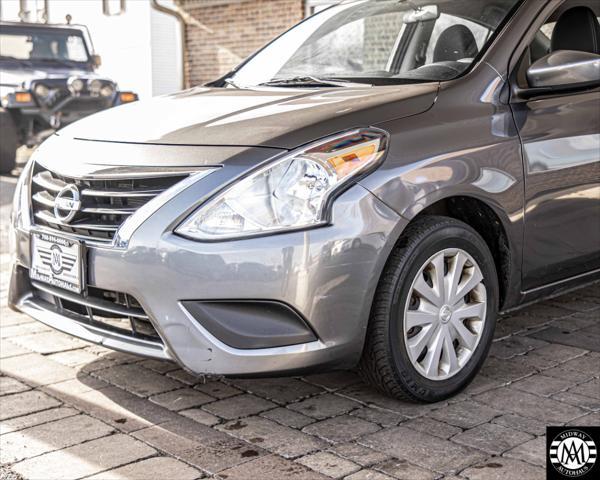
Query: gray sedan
x=370, y=189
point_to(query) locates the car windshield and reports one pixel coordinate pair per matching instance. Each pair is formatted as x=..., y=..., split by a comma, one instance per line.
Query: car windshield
x=37, y=44
x=378, y=42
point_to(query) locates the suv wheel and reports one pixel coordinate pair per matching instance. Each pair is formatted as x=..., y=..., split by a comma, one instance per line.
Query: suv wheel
x=434, y=313
x=8, y=142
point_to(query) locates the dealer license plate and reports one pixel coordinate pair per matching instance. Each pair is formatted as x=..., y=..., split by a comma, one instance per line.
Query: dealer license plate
x=56, y=261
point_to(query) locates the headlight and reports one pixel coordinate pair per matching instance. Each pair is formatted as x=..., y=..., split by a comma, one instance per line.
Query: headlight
x=95, y=87
x=41, y=91
x=76, y=85
x=290, y=193
x=107, y=90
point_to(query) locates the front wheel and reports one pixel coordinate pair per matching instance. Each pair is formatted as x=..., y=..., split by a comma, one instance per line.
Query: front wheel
x=434, y=312
x=8, y=142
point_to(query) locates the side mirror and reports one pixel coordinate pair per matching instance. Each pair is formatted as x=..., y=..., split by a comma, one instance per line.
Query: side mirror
x=96, y=60
x=564, y=69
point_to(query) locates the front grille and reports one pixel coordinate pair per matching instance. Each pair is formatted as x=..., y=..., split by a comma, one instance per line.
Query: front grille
x=112, y=311
x=106, y=203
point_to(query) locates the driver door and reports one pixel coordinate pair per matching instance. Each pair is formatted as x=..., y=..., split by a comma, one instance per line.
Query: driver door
x=560, y=133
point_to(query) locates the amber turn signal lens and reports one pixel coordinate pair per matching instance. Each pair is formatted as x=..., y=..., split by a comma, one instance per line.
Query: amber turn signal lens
x=23, y=97
x=127, y=97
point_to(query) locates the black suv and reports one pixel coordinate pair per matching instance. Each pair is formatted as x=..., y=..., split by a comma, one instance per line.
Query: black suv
x=47, y=80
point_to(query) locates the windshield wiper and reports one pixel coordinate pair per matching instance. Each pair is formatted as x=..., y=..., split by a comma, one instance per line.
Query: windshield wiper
x=22, y=61
x=308, y=80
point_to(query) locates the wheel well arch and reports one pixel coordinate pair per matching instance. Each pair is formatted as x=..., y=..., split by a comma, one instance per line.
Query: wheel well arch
x=484, y=220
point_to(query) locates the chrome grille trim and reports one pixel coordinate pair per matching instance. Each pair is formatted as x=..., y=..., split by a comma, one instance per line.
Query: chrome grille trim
x=107, y=201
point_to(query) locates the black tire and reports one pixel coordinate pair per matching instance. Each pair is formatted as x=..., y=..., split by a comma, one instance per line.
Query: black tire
x=385, y=362
x=8, y=142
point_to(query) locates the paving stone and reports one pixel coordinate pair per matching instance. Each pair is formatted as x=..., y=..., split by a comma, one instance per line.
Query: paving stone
x=577, y=400
x=503, y=469
x=217, y=389
x=589, y=389
x=523, y=424
x=533, y=451
x=181, y=399
x=482, y=383
x=574, y=303
x=426, y=451
x=360, y=454
x=576, y=339
x=324, y=406
x=35, y=369
x=238, y=407
x=574, y=322
x=9, y=385
x=137, y=380
x=492, y=438
x=514, y=346
x=527, y=405
x=586, y=363
x=329, y=464
x=48, y=342
x=381, y=417
x=158, y=467
x=402, y=469
x=368, y=475
x=200, y=416
x=432, y=427
x=555, y=353
x=19, y=423
x=280, y=390
x=199, y=445
x=85, y=459
x=123, y=410
x=23, y=329
x=74, y=358
x=288, y=417
x=9, y=349
x=8, y=317
x=25, y=403
x=567, y=373
x=284, y=441
x=271, y=467
x=72, y=388
x=368, y=395
x=465, y=414
x=160, y=366
x=542, y=385
x=513, y=369
x=590, y=419
x=546, y=310
x=341, y=429
x=184, y=377
x=51, y=436
x=333, y=380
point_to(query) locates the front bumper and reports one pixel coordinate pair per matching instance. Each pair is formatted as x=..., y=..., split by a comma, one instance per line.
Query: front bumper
x=327, y=275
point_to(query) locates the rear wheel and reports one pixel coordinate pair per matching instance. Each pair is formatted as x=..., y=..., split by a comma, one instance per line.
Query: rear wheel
x=8, y=142
x=434, y=314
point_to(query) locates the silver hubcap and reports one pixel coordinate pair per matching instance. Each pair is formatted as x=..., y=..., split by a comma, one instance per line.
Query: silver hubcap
x=444, y=314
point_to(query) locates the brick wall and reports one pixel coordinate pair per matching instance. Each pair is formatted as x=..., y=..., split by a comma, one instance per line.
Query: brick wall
x=239, y=29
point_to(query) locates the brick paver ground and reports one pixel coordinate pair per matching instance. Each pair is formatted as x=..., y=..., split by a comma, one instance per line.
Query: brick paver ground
x=73, y=410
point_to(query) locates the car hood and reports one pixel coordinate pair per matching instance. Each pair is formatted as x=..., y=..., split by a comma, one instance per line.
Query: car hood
x=268, y=117
x=16, y=77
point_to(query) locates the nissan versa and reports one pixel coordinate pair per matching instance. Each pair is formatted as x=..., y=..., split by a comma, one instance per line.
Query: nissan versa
x=370, y=189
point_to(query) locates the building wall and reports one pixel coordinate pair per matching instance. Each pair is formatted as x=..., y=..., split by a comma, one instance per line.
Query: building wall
x=239, y=28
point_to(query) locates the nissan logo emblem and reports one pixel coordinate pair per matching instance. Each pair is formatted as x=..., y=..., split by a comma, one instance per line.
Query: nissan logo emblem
x=67, y=203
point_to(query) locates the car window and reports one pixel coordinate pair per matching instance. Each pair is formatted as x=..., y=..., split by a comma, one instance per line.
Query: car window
x=37, y=44
x=380, y=42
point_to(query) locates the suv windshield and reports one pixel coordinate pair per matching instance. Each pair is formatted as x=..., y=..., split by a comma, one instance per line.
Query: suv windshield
x=42, y=44
x=379, y=42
